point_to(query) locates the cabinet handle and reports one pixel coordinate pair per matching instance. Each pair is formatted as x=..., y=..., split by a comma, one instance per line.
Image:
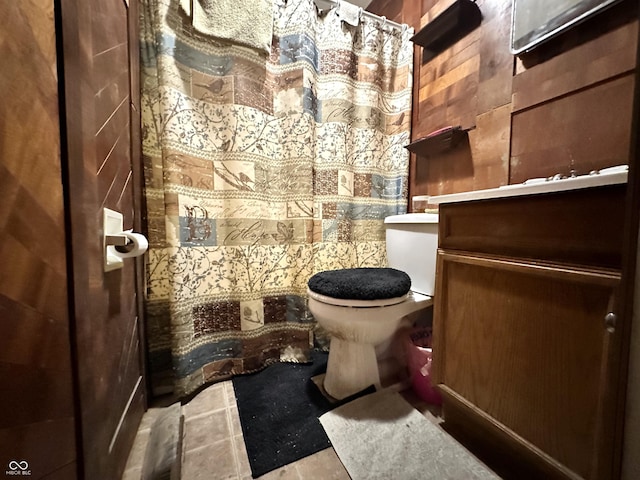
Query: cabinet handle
x=610, y=321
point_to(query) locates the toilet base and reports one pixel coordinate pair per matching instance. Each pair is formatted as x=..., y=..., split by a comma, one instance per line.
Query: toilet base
x=351, y=368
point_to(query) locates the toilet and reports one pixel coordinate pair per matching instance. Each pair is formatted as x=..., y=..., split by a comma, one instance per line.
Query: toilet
x=362, y=308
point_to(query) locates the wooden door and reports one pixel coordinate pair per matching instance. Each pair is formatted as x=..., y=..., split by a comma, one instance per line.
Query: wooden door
x=101, y=149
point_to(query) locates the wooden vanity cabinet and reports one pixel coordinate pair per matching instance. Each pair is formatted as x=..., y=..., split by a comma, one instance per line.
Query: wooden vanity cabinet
x=525, y=340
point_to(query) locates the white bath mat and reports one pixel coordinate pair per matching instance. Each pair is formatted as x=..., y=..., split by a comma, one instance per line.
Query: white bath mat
x=381, y=436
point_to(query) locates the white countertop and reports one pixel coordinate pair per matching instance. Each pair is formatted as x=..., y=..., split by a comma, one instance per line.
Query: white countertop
x=536, y=186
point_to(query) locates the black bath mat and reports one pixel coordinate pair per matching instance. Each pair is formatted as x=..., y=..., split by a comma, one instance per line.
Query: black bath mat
x=279, y=409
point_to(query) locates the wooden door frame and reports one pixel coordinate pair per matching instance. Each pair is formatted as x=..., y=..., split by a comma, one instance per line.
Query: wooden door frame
x=628, y=298
x=139, y=204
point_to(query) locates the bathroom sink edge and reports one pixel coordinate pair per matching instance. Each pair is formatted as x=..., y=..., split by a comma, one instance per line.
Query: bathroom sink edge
x=575, y=183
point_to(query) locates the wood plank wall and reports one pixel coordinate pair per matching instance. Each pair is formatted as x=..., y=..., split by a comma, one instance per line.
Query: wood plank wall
x=576, y=94
x=565, y=106
x=36, y=400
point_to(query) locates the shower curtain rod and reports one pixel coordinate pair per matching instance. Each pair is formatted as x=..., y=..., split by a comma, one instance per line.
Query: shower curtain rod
x=364, y=12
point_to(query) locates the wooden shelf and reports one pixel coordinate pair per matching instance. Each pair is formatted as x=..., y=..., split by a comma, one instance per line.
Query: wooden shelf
x=438, y=141
x=455, y=22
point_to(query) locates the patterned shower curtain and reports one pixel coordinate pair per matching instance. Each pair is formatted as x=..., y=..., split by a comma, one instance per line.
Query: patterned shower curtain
x=261, y=171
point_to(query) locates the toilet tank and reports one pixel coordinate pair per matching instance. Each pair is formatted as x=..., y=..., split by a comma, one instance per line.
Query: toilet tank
x=412, y=243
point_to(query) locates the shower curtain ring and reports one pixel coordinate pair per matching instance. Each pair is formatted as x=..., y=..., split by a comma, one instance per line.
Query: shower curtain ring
x=384, y=21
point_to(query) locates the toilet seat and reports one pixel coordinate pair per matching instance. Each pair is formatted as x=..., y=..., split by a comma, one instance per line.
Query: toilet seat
x=366, y=284
x=346, y=302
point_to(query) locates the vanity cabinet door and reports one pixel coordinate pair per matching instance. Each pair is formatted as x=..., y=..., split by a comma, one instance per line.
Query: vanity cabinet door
x=525, y=346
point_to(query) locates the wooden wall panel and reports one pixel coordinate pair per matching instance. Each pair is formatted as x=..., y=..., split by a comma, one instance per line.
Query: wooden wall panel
x=573, y=99
x=496, y=61
x=598, y=60
x=468, y=84
x=36, y=394
x=477, y=82
x=447, y=88
x=398, y=11
x=557, y=137
x=481, y=160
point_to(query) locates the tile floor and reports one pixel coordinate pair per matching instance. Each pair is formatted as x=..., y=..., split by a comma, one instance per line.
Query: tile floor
x=213, y=447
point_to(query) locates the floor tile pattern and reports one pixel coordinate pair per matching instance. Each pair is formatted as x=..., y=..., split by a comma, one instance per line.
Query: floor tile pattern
x=213, y=447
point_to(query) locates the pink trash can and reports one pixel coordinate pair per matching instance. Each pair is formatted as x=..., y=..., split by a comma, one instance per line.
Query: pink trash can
x=419, y=352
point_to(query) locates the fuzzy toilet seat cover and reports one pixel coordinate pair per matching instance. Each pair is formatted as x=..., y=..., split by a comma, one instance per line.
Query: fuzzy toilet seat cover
x=361, y=283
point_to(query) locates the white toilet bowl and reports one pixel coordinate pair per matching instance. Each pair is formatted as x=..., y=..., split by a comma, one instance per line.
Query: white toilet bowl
x=356, y=327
